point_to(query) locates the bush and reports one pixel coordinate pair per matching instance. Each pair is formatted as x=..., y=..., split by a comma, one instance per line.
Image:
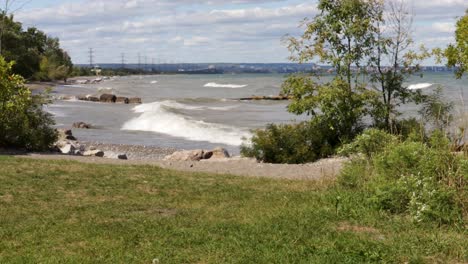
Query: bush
x=369, y=142
x=298, y=143
x=424, y=180
x=23, y=123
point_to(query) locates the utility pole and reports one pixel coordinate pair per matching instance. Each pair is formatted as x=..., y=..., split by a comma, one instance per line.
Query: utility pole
x=122, y=56
x=91, y=57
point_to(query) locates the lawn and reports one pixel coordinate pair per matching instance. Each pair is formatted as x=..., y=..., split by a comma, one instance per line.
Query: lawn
x=69, y=212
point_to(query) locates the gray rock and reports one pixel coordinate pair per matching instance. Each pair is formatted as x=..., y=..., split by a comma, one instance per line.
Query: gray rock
x=217, y=153
x=68, y=149
x=113, y=155
x=108, y=98
x=81, y=125
x=186, y=155
x=94, y=153
x=123, y=100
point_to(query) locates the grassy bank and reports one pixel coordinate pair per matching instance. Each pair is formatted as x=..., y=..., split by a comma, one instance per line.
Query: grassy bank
x=60, y=211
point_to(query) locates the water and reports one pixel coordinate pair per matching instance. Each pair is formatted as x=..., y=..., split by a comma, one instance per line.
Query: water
x=194, y=111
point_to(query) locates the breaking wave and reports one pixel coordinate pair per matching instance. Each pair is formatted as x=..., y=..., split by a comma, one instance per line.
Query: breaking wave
x=419, y=86
x=218, y=85
x=158, y=117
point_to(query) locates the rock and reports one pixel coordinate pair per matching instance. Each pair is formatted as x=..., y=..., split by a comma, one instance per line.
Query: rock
x=68, y=149
x=122, y=156
x=81, y=125
x=82, y=81
x=218, y=153
x=78, y=153
x=65, y=134
x=108, y=98
x=186, y=155
x=92, y=99
x=124, y=100
x=134, y=100
x=94, y=153
x=113, y=155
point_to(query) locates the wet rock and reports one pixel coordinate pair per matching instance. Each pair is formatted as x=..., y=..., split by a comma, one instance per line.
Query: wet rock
x=134, y=100
x=113, y=155
x=92, y=98
x=108, y=98
x=123, y=100
x=81, y=125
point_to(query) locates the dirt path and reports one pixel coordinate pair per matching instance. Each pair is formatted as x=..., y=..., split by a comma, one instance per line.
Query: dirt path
x=325, y=168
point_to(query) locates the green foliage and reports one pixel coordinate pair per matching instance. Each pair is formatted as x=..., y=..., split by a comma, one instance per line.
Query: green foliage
x=436, y=111
x=23, y=123
x=298, y=143
x=457, y=54
x=424, y=180
x=371, y=141
x=36, y=55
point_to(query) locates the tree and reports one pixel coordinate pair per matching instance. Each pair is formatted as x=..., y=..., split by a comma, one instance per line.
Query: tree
x=23, y=123
x=29, y=47
x=343, y=35
x=392, y=61
x=457, y=54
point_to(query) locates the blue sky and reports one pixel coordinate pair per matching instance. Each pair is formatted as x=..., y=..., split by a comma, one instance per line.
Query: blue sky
x=201, y=31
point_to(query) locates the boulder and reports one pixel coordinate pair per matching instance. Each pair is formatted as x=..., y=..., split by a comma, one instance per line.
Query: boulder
x=134, y=100
x=113, y=155
x=186, y=155
x=123, y=100
x=81, y=125
x=65, y=134
x=92, y=99
x=108, y=98
x=94, y=153
x=217, y=153
x=68, y=149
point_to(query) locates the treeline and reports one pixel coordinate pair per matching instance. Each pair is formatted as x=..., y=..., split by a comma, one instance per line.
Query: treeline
x=88, y=71
x=36, y=56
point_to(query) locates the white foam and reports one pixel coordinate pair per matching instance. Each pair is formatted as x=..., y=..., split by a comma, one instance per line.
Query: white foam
x=154, y=82
x=419, y=86
x=156, y=118
x=232, y=86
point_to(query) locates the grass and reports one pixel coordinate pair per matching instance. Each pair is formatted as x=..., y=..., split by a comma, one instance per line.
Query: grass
x=68, y=212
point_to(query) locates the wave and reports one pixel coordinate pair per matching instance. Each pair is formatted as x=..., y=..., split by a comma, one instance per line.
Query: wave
x=419, y=86
x=154, y=82
x=217, y=85
x=155, y=117
x=177, y=105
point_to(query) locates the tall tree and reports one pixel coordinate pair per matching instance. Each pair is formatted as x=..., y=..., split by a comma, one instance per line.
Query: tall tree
x=457, y=54
x=392, y=62
x=342, y=35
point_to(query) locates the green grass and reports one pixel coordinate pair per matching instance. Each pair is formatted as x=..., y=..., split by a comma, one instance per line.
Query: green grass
x=68, y=212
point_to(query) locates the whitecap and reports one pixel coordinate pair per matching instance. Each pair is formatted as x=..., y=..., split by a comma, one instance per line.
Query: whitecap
x=154, y=82
x=218, y=85
x=156, y=118
x=419, y=86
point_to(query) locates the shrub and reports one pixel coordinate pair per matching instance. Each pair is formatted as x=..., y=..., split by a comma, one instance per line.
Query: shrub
x=297, y=143
x=23, y=123
x=422, y=179
x=369, y=142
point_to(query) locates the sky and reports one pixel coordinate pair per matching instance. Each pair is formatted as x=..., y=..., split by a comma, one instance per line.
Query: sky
x=189, y=31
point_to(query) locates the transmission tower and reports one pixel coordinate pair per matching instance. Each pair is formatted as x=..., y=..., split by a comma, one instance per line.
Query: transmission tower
x=122, y=56
x=91, y=57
